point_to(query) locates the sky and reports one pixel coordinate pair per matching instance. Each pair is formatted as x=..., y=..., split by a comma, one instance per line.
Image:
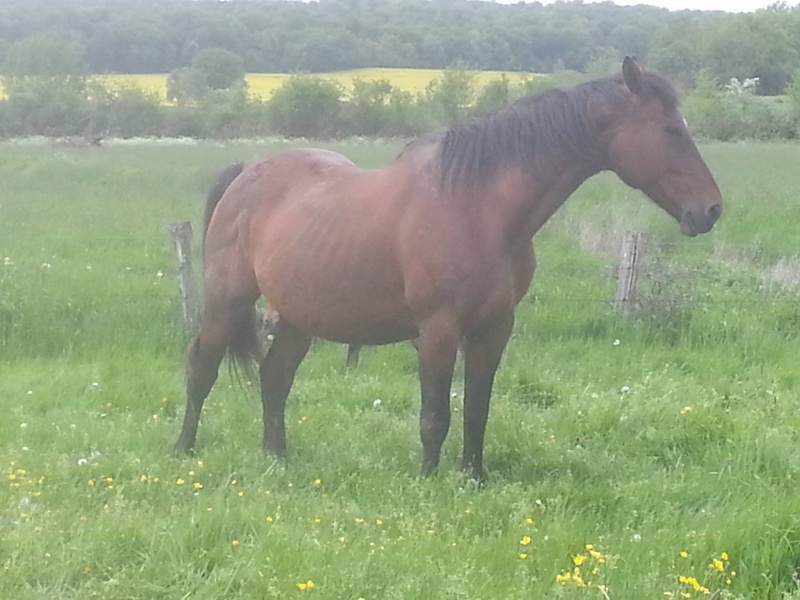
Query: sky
x=726, y=5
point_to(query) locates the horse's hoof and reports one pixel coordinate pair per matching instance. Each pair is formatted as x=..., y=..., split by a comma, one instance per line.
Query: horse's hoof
x=181, y=448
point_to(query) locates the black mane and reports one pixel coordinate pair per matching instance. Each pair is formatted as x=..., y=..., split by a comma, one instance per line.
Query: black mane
x=550, y=121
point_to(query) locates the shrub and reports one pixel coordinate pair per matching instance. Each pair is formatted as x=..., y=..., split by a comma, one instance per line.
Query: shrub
x=306, y=106
x=212, y=69
x=52, y=106
x=451, y=97
x=125, y=112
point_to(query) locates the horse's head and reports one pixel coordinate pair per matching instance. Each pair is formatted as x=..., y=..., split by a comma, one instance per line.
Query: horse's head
x=649, y=148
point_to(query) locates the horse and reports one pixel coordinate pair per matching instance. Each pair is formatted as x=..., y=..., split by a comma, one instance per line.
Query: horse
x=436, y=247
x=269, y=317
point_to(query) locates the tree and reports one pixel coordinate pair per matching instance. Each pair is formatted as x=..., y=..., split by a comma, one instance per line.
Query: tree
x=211, y=69
x=43, y=55
x=46, y=93
x=306, y=106
x=452, y=94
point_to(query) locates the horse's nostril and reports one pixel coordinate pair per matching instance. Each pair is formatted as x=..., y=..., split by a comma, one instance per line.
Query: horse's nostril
x=714, y=211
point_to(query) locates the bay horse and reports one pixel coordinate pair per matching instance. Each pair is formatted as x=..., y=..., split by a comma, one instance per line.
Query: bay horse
x=435, y=247
x=269, y=318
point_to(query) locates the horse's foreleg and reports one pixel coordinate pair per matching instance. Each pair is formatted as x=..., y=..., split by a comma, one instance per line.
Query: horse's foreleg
x=482, y=352
x=277, y=371
x=437, y=346
x=202, y=365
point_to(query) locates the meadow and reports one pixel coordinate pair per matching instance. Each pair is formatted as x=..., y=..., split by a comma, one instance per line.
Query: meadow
x=641, y=457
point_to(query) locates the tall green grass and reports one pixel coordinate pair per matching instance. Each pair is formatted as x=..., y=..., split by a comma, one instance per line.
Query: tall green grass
x=672, y=431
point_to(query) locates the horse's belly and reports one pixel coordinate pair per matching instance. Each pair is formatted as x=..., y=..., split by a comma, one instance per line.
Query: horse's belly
x=347, y=320
x=342, y=303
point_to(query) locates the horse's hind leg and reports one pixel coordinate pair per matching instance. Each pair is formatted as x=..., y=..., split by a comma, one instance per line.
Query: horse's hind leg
x=228, y=323
x=202, y=365
x=288, y=349
x=353, y=352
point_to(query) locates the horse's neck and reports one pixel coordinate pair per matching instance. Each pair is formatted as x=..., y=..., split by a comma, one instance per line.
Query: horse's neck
x=525, y=202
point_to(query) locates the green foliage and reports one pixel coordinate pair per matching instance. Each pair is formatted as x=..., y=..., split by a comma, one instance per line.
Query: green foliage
x=43, y=55
x=736, y=112
x=378, y=109
x=51, y=106
x=152, y=36
x=494, y=95
x=212, y=69
x=793, y=92
x=125, y=112
x=44, y=87
x=308, y=107
x=452, y=95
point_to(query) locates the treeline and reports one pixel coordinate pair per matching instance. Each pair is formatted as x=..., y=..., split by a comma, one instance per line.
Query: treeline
x=305, y=106
x=313, y=107
x=161, y=36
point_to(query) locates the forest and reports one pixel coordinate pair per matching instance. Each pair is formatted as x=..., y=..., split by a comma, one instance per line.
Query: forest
x=159, y=36
x=739, y=73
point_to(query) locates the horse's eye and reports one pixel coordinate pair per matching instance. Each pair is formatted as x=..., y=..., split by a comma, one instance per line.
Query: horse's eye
x=675, y=130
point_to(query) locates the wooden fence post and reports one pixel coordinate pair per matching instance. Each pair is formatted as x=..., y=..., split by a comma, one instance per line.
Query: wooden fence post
x=633, y=248
x=182, y=240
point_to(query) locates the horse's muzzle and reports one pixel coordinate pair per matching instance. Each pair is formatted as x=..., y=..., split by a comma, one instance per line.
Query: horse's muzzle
x=695, y=222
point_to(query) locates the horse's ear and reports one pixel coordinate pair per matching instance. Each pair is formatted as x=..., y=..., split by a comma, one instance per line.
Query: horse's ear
x=632, y=74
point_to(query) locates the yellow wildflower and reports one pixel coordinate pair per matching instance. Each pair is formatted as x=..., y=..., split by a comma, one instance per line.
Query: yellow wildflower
x=684, y=554
x=526, y=539
x=563, y=578
x=308, y=585
x=578, y=559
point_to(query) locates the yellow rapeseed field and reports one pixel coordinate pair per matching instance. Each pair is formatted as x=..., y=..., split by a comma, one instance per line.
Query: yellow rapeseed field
x=263, y=85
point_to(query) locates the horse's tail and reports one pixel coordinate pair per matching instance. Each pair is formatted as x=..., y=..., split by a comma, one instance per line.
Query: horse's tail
x=224, y=179
x=245, y=348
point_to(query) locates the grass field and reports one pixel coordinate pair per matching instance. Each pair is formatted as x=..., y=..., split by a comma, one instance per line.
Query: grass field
x=654, y=457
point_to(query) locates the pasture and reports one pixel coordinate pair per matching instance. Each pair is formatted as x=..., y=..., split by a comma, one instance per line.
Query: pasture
x=628, y=458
